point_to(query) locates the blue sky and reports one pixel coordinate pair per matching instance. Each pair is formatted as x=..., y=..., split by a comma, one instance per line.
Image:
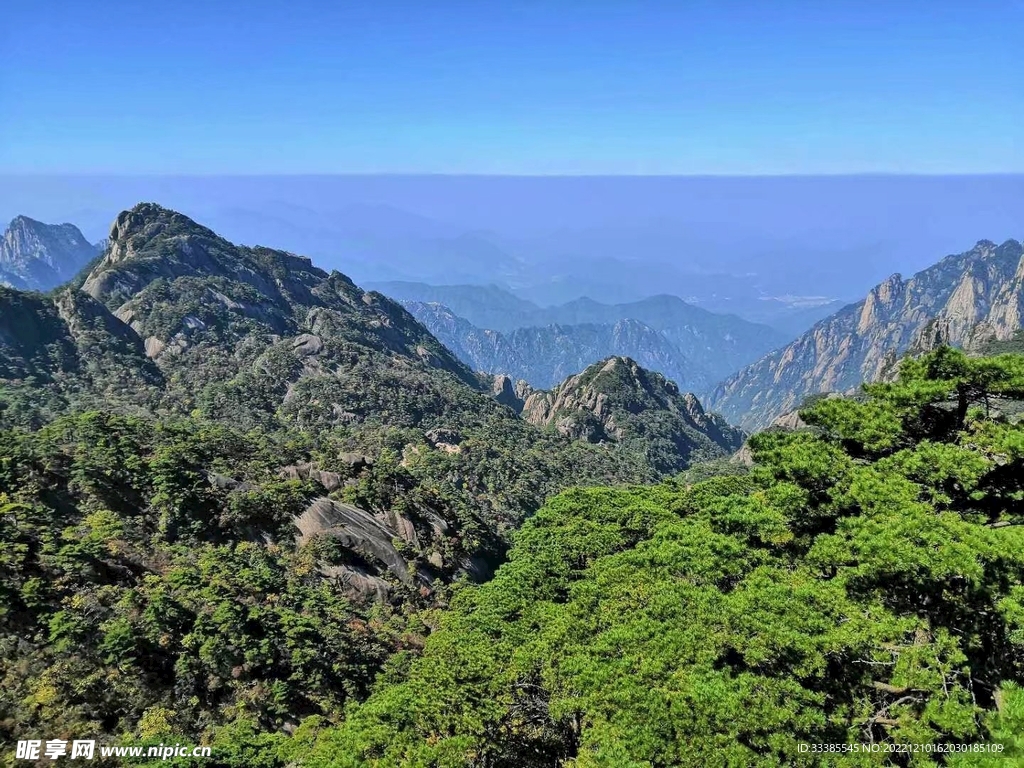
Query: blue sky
x=569, y=87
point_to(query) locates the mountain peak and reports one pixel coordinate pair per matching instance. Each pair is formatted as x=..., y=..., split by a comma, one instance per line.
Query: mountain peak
x=28, y=225
x=20, y=221
x=38, y=256
x=188, y=292
x=149, y=220
x=963, y=300
x=617, y=367
x=150, y=242
x=617, y=400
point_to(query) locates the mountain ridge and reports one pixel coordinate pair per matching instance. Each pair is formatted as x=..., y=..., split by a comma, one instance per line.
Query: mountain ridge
x=38, y=256
x=712, y=345
x=963, y=300
x=546, y=355
x=177, y=322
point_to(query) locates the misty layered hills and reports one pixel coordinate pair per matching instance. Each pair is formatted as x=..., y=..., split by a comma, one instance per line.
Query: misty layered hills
x=175, y=322
x=37, y=257
x=545, y=355
x=701, y=345
x=716, y=344
x=965, y=300
x=485, y=306
x=791, y=317
x=744, y=245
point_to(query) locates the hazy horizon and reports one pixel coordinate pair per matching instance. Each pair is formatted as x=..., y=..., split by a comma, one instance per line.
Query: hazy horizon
x=559, y=237
x=726, y=154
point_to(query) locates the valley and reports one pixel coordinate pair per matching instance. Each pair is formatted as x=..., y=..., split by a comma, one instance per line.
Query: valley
x=325, y=525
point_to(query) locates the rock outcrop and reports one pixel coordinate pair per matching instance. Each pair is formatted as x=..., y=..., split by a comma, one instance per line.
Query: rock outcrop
x=965, y=300
x=617, y=400
x=36, y=256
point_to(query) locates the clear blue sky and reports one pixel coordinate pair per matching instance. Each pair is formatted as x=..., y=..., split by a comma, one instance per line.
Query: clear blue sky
x=489, y=86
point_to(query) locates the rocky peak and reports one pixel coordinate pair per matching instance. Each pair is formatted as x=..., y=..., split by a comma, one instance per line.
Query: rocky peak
x=964, y=300
x=617, y=399
x=38, y=256
x=148, y=219
x=150, y=242
x=137, y=231
x=188, y=293
x=503, y=390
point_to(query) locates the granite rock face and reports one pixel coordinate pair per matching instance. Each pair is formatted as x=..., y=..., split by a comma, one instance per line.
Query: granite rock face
x=545, y=355
x=616, y=400
x=965, y=300
x=37, y=257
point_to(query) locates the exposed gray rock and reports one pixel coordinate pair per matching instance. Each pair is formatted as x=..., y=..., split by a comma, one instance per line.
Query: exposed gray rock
x=964, y=300
x=442, y=435
x=329, y=481
x=36, y=256
x=359, y=531
x=503, y=390
x=356, y=461
x=617, y=400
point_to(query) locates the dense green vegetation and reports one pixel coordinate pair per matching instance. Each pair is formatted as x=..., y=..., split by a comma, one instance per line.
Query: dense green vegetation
x=138, y=596
x=863, y=583
x=232, y=485
x=244, y=503
x=152, y=586
x=150, y=575
x=1013, y=345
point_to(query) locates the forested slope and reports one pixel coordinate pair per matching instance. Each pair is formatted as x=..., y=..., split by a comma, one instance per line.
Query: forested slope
x=232, y=485
x=864, y=584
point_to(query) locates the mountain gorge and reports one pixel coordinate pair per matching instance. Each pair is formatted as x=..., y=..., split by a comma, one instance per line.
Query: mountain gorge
x=36, y=256
x=964, y=300
x=690, y=345
x=245, y=503
x=545, y=355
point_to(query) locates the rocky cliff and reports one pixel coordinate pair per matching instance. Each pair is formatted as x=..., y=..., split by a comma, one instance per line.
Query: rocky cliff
x=616, y=400
x=545, y=355
x=37, y=257
x=964, y=300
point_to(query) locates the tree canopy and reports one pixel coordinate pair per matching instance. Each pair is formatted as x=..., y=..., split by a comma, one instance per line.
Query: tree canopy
x=864, y=583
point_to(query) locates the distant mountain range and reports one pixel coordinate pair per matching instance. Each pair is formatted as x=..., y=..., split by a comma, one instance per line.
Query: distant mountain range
x=174, y=319
x=485, y=306
x=495, y=331
x=36, y=256
x=746, y=245
x=965, y=300
x=545, y=355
